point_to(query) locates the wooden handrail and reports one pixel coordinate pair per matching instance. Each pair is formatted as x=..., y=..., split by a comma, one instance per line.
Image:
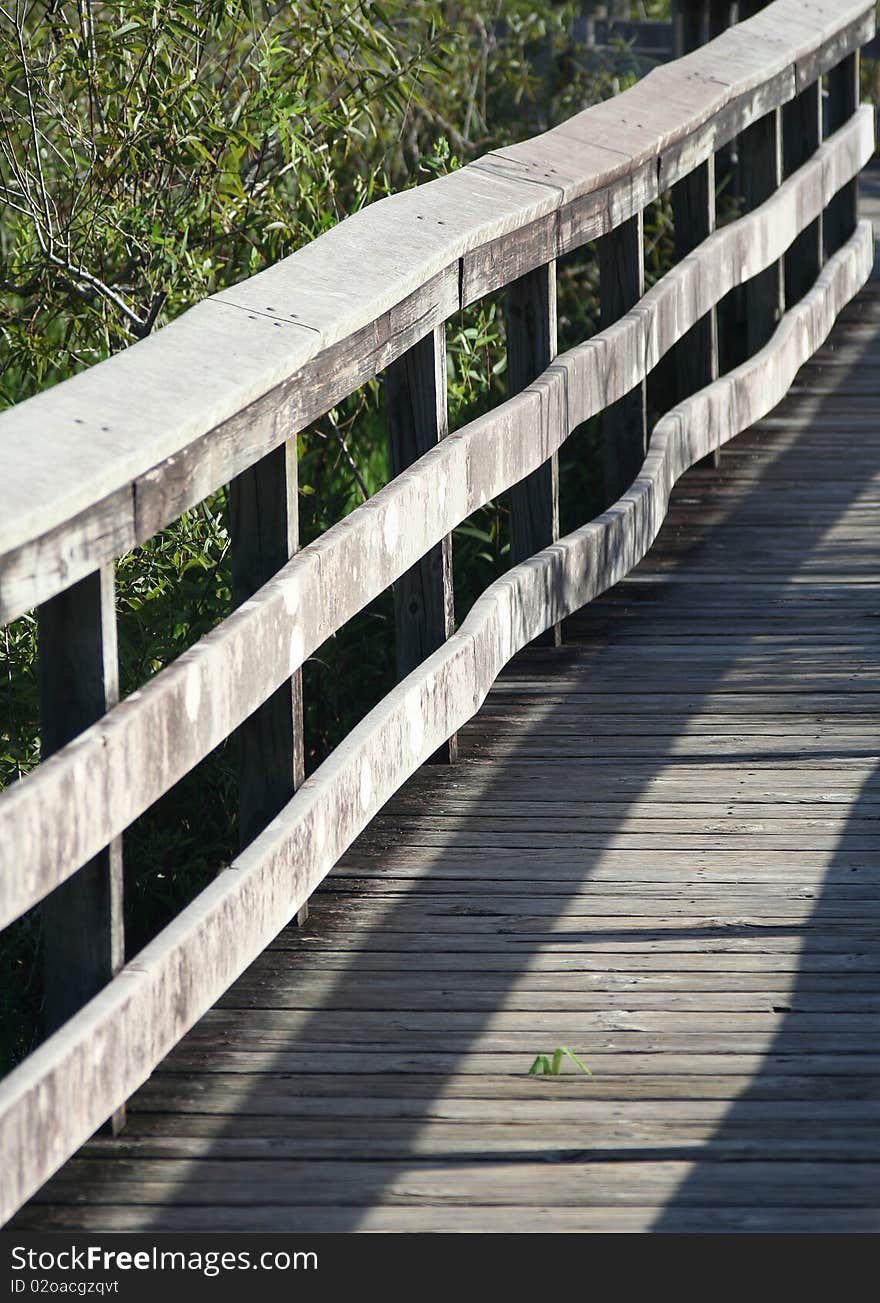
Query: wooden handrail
x=219, y=393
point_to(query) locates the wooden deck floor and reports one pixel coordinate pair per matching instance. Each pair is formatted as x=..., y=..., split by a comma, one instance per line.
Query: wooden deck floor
x=661, y=848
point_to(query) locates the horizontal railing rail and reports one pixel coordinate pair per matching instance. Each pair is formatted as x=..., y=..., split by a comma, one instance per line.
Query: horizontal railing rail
x=107, y=459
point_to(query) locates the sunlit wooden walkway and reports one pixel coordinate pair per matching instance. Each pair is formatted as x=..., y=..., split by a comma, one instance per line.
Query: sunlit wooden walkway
x=661, y=848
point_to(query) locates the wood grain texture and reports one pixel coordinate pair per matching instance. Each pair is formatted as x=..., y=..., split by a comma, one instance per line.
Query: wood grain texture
x=458, y=1218
x=104, y=1052
x=87, y=475
x=160, y=732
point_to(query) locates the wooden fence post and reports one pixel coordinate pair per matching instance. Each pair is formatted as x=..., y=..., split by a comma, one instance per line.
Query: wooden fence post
x=621, y=285
x=760, y=153
x=841, y=215
x=801, y=137
x=82, y=920
x=721, y=16
x=696, y=355
x=693, y=210
x=424, y=606
x=760, y=172
x=530, y=317
x=264, y=520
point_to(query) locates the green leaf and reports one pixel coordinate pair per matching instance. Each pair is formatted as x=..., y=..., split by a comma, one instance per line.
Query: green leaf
x=117, y=33
x=563, y=1049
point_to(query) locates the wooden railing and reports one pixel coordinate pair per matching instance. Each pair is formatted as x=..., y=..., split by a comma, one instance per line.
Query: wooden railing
x=102, y=462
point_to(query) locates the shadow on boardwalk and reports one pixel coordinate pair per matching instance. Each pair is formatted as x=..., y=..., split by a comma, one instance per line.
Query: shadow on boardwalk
x=835, y=1185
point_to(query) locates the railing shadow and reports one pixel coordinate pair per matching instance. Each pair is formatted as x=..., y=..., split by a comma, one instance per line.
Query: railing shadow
x=826, y=1056
x=318, y=1061
x=830, y=1034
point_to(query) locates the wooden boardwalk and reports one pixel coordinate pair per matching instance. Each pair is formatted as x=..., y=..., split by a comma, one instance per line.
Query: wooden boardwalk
x=661, y=847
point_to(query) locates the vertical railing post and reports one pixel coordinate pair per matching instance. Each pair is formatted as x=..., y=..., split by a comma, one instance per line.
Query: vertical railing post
x=82, y=920
x=264, y=520
x=693, y=207
x=693, y=211
x=530, y=318
x=842, y=102
x=621, y=285
x=760, y=168
x=721, y=16
x=760, y=154
x=424, y=609
x=801, y=136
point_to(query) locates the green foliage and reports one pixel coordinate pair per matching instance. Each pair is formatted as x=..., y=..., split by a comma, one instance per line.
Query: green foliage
x=19, y=741
x=547, y=1066
x=152, y=154
x=172, y=590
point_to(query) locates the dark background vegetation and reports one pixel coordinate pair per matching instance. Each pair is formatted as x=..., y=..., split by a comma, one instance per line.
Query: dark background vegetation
x=154, y=153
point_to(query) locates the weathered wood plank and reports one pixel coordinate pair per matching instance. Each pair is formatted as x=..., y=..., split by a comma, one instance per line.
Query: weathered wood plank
x=548, y=1143
x=578, y=1184
x=183, y=1096
x=528, y=1218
